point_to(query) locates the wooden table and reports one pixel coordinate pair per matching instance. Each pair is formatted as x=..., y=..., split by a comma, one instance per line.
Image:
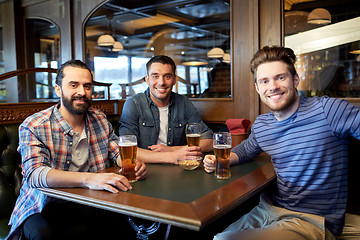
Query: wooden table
x=171, y=195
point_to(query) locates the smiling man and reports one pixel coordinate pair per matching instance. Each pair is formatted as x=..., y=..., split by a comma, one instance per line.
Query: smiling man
x=307, y=141
x=64, y=146
x=158, y=117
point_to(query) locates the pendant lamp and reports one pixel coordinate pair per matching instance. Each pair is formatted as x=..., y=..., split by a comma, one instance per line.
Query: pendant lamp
x=105, y=40
x=226, y=58
x=117, y=47
x=215, y=53
x=319, y=16
x=355, y=48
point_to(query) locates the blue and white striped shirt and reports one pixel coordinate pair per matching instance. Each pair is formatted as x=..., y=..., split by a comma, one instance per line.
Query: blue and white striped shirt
x=309, y=151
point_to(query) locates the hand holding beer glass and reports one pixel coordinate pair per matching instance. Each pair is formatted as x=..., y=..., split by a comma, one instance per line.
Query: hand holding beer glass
x=193, y=134
x=128, y=149
x=222, y=146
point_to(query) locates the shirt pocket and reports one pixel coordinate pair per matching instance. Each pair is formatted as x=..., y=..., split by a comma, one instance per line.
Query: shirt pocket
x=146, y=123
x=179, y=131
x=180, y=124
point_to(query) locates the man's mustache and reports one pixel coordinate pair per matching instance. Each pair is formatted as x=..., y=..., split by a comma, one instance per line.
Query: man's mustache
x=80, y=98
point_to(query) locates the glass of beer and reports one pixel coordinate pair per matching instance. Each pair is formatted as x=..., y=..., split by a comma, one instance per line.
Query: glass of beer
x=193, y=133
x=222, y=146
x=128, y=149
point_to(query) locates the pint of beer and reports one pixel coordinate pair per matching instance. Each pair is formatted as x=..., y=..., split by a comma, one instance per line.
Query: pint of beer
x=128, y=149
x=193, y=139
x=222, y=146
x=193, y=134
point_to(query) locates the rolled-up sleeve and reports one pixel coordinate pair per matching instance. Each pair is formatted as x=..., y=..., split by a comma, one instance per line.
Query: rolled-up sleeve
x=129, y=121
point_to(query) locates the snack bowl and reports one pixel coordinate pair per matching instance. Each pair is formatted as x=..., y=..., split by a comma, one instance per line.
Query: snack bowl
x=189, y=162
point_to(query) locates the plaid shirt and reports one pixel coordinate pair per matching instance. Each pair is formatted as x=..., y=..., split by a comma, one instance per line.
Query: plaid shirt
x=45, y=139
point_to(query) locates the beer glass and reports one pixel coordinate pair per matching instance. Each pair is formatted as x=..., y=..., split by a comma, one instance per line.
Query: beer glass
x=193, y=133
x=128, y=149
x=222, y=146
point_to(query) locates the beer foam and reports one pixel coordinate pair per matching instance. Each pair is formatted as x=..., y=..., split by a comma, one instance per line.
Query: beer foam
x=127, y=144
x=222, y=146
x=193, y=135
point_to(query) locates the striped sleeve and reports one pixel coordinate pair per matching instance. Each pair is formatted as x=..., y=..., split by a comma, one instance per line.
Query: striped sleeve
x=343, y=117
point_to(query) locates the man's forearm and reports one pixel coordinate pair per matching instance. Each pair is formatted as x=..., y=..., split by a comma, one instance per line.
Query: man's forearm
x=234, y=159
x=206, y=145
x=59, y=178
x=148, y=156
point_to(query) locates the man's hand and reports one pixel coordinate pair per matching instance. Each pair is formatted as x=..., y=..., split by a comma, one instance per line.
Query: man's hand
x=111, y=182
x=209, y=163
x=140, y=170
x=184, y=151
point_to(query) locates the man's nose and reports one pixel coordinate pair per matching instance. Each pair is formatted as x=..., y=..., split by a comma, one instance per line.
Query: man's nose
x=273, y=85
x=81, y=90
x=161, y=80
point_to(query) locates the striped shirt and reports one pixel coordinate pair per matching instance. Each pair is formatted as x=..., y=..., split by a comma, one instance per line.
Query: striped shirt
x=309, y=151
x=45, y=139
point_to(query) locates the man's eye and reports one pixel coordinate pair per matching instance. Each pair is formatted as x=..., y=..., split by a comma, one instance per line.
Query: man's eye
x=263, y=81
x=167, y=77
x=155, y=77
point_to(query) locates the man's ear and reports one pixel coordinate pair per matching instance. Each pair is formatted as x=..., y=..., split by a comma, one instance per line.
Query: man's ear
x=58, y=90
x=296, y=80
x=257, y=88
x=147, y=79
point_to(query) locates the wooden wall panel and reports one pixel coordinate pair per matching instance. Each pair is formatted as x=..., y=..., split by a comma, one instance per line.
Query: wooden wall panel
x=82, y=10
x=59, y=13
x=244, y=102
x=270, y=29
x=17, y=112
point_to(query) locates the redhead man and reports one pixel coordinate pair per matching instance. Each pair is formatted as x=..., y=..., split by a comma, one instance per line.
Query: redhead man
x=307, y=141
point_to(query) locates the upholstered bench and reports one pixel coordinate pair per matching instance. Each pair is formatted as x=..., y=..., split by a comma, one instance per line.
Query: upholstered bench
x=10, y=173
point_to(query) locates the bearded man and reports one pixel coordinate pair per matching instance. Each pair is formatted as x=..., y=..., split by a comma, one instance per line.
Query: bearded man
x=64, y=146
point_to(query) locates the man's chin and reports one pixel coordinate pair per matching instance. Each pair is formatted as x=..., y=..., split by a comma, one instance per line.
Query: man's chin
x=276, y=106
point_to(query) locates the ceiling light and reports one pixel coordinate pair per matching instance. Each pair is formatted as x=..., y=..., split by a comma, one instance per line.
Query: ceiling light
x=226, y=58
x=117, y=47
x=215, y=53
x=355, y=47
x=194, y=63
x=319, y=16
x=105, y=40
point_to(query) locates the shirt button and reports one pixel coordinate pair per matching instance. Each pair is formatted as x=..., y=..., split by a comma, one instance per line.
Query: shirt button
x=169, y=129
x=169, y=143
x=180, y=125
x=143, y=124
x=68, y=162
x=70, y=143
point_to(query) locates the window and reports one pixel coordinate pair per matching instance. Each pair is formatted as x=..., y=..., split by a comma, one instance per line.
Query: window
x=327, y=63
x=185, y=31
x=44, y=46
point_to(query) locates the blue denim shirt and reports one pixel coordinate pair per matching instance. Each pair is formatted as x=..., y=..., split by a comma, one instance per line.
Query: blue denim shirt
x=140, y=117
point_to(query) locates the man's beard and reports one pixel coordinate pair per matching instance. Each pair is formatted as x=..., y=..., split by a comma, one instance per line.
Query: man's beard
x=289, y=101
x=80, y=110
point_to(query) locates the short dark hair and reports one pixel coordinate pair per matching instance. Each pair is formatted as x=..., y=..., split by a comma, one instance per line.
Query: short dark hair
x=163, y=60
x=273, y=54
x=71, y=63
